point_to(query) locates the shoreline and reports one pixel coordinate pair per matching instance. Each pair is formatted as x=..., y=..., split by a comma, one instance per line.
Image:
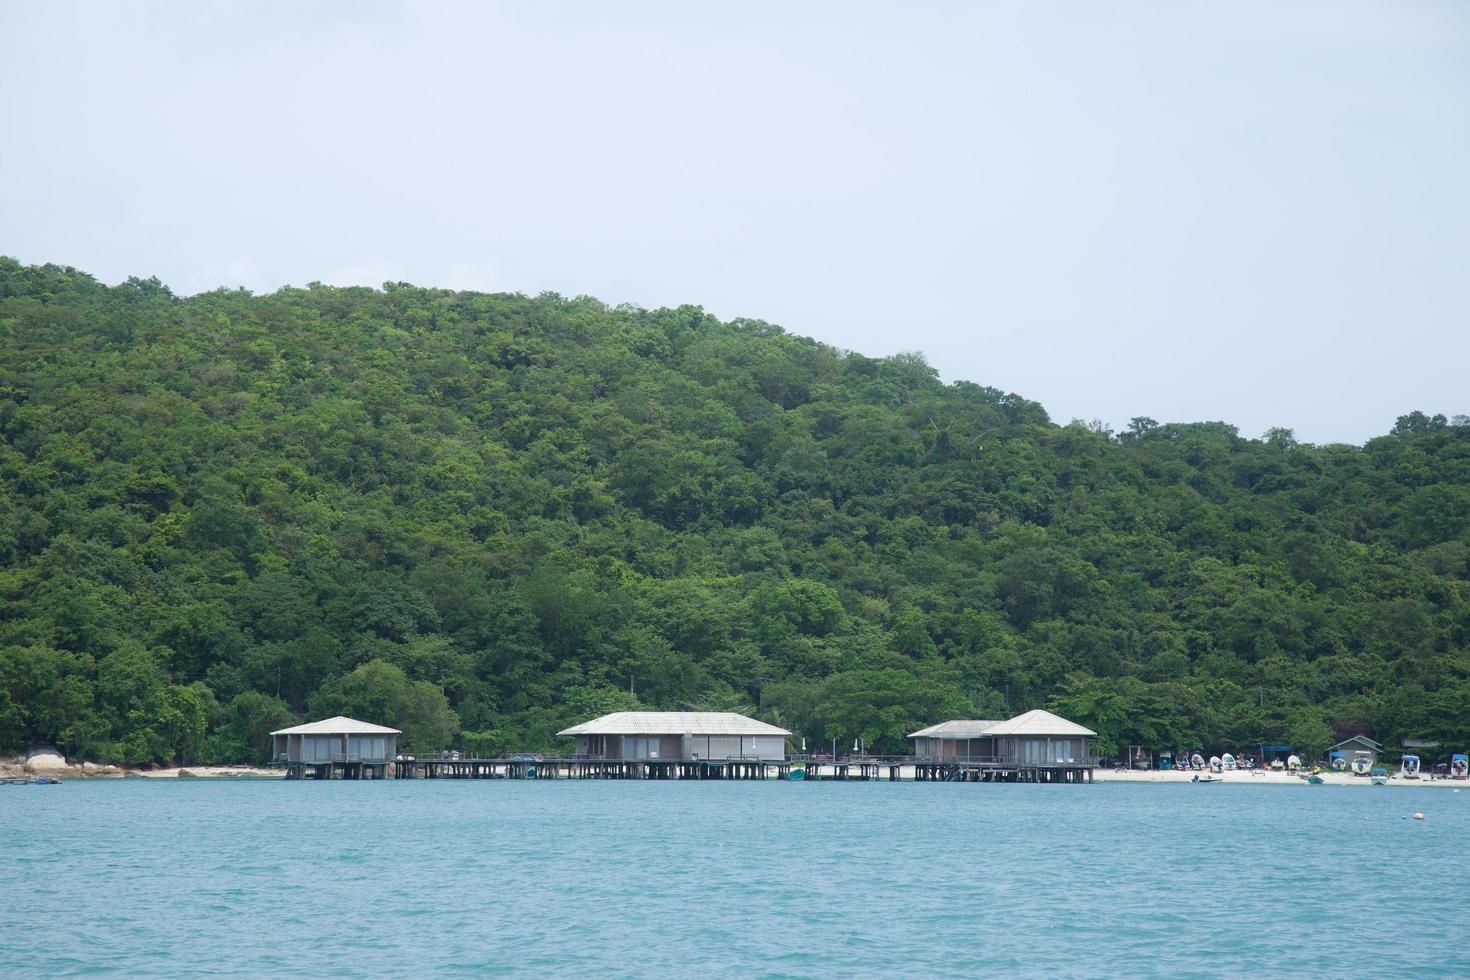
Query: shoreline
x=48, y=766
x=54, y=767
x=1258, y=777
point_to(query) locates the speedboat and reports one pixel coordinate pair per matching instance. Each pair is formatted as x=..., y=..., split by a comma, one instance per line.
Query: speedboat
x=1362, y=762
x=1380, y=776
x=1409, y=767
x=1206, y=777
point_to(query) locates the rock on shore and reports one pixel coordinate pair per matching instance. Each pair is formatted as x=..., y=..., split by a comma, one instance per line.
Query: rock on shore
x=45, y=761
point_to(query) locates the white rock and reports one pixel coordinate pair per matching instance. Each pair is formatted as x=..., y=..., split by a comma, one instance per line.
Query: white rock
x=46, y=760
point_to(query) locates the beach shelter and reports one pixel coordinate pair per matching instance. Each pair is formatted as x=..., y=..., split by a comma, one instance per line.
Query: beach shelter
x=1272, y=754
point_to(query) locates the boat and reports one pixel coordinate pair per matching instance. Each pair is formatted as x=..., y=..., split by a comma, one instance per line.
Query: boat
x=1379, y=776
x=1409, y=767
x=1459, y=766
x=1338, y=761
x=1206, y=777
x=1227, y=762
x=1315, y=779
x=1362, y=762
x=797, y=773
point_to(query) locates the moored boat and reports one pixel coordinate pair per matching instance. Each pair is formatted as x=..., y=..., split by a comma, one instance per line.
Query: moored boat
x=1379, y=776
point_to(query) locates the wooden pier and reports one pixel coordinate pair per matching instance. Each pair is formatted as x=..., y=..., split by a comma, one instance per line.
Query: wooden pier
x=843, y=770
x=337, y=770
x=989, y=772
x=574, y=768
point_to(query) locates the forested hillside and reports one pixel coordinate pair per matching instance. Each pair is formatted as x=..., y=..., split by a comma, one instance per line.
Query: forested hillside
x=482, y=517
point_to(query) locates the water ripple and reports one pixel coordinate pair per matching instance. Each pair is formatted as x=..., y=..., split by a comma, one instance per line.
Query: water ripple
x=623, y=879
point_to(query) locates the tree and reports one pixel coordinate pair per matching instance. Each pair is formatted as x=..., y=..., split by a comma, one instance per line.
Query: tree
x=441, y=508
x=380, y=693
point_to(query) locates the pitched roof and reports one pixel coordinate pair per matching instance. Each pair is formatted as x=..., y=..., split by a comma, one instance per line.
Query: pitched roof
x=1038, y=722
x=954, y=729
x=673, y=723
x=338, y=726
x=1364, y=739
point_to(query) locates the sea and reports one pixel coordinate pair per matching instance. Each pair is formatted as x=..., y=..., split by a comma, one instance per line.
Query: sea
x=591, y=879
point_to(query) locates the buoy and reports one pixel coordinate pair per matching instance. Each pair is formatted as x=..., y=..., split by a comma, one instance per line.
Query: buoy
x=1418, y=815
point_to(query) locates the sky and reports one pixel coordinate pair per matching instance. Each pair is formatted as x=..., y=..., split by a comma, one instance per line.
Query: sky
x=1256, y=213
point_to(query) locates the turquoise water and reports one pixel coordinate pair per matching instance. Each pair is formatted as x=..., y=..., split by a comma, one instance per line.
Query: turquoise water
x=594, y=879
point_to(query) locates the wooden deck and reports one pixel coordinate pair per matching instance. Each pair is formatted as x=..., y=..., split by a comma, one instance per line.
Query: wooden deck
x=574, y=768
x=890, y=769
x=337, y=770
x=843, y=770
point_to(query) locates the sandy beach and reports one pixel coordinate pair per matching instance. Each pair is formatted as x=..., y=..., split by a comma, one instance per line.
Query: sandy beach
x=1260, y=777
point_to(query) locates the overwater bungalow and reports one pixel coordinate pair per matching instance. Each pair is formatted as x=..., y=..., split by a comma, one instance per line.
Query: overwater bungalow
x=335, y=748
x=1035, y=744
x=678, y=736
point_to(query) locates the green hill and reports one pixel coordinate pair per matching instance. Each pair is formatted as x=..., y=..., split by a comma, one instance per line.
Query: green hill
x=481, y=517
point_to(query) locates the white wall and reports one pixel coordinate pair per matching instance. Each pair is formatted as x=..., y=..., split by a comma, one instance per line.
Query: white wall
x=731, y=746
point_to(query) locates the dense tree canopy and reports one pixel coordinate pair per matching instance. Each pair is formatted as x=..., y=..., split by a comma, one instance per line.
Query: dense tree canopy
x=482, y=517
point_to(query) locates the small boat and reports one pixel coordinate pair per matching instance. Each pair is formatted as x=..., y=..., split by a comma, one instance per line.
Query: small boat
x=1409, y=767
x=1362, y=763
x=1379, y=776
x=797, y=773
x=1207, y=777
x=1315, y=779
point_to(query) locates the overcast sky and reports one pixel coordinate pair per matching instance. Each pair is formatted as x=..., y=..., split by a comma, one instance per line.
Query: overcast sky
x=1256, y=213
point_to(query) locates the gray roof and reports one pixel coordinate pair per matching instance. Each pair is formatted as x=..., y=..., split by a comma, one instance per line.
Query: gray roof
x=1363, y=739
x=1038, y=722
x=673, y=723
x=338, y=726
x=954, y=729
x=1035, y=722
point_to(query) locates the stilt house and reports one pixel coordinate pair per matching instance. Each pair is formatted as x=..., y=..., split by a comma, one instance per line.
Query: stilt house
x=678, y=736
x=1036, y=738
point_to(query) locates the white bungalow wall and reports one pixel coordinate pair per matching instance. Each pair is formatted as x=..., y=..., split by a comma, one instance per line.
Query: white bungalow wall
x=672, y=748
x=735, y=747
